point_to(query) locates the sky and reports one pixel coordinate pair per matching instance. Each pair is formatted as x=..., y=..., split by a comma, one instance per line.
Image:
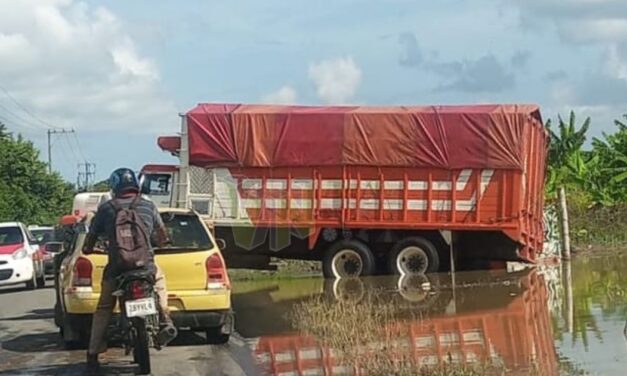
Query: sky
x=119, y=72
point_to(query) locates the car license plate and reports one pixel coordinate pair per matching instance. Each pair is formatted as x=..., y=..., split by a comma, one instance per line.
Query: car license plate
x=140, y=307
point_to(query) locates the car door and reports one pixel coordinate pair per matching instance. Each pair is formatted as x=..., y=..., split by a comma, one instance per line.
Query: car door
x=64, y=275
x=30, y=243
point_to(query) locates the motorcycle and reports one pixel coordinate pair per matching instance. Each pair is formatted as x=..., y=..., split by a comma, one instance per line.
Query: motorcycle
x=139, y=325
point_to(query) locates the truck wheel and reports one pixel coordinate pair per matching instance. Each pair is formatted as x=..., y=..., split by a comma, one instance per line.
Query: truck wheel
x=348, y=258
x=414, y=255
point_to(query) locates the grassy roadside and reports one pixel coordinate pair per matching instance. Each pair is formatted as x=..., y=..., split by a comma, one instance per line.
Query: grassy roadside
x=598, y=228
x=286, y=269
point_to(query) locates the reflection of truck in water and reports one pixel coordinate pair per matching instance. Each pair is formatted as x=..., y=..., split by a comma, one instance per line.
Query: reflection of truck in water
x=361, y=188
x=499, y=318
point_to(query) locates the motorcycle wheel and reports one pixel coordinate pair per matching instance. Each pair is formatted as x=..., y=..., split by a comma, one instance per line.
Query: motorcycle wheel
x=141, y=352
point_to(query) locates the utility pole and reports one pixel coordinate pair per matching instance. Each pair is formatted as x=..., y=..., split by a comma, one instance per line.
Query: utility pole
x=50, y=133
x=85, y=179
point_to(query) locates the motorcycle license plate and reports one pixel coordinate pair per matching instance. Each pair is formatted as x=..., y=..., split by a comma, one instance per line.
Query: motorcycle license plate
x=140, y=307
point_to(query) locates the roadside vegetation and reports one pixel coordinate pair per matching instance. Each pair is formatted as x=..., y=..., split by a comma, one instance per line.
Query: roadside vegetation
x=284, y=269
x=594, y=177
x=28, y=193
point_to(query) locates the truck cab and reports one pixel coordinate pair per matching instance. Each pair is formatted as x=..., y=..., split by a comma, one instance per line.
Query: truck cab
x=159, y=184
x=88, y=202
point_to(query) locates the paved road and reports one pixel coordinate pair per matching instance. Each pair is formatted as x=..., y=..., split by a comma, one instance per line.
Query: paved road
x=31, y=345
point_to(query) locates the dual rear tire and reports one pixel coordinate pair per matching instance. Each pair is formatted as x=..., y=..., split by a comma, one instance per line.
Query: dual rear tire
x=348, y=258
x=413, y=255
x=353, y=258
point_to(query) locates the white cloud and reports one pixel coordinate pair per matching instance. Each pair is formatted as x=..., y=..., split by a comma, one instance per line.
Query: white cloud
x=74, y=65
x=598, y=90
x=594, y=30
x=617, y=62
x=336, y=80
x=285, y=95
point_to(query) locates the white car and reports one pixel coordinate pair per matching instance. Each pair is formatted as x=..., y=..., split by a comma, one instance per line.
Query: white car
x=20, y=258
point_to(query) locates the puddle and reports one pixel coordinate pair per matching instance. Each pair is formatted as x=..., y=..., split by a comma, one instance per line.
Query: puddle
x=529, y=321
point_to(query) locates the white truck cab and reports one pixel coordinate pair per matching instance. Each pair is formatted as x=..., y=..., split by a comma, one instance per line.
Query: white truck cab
x=158, y=182
x=88, y=202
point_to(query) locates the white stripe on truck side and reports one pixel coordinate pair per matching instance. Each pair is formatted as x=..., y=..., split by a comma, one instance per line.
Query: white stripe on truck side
x=366, y=204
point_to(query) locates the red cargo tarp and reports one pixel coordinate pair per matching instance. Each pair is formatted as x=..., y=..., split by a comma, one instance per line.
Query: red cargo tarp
x=449, y=137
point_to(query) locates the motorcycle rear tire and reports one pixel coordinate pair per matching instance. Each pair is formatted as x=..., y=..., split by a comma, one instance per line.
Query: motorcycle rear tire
x=141, y=351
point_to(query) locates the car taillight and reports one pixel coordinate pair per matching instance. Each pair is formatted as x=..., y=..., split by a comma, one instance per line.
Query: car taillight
x=137, y=290
x=82, y=272
x=216, y=273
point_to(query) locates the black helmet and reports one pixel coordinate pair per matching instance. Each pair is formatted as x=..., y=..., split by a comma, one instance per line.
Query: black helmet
x=123, y=180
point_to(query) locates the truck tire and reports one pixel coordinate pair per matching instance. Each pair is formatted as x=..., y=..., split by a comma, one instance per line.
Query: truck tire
x=348, y=258
x=413, y=255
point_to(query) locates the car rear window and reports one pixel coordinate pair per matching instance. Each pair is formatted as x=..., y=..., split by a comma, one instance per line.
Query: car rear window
x=186, y=232
x=10, y=236
x=43, y=236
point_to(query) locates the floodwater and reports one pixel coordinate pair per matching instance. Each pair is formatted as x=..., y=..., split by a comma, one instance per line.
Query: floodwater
x=562, y=320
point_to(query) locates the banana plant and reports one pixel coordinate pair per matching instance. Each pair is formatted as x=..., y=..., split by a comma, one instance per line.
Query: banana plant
x=569, y=141
x=567, y=161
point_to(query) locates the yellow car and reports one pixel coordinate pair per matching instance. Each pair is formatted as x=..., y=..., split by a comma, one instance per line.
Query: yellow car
x=199, y=290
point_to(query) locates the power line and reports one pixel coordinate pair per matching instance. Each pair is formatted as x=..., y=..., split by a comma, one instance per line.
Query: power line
x=69, y=144
x=84, y=180
x=51, y=132
x=21, y=121
x=80, y=149
x=8, y=121
x=23, y=108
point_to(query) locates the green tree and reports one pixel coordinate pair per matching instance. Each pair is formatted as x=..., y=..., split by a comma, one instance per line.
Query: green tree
x=101, y=186
x=610, y=153
x=28, y=193
x=567, y=160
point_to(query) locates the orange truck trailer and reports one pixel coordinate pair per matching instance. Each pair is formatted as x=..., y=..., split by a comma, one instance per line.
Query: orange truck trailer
x=362, y=189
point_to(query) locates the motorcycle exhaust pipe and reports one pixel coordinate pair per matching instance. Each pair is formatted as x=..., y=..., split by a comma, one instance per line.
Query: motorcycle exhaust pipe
x=167, y=334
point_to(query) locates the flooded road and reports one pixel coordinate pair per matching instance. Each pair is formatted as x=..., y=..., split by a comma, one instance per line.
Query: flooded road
x=590, y=332
x=565, y=320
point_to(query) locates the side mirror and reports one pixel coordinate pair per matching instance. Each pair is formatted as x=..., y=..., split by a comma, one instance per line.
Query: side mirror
x=144, y=185
x=145, y=189
x=53, y=247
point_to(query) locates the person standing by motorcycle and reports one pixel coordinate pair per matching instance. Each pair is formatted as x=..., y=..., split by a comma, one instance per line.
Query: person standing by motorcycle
x=126, y=195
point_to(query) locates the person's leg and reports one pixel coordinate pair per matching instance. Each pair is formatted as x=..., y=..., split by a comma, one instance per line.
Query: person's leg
x=101, y=318
x=162, y=293
x=169, y=332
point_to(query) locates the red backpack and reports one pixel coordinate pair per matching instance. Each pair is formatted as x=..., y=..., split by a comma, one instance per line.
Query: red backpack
x=130, y=241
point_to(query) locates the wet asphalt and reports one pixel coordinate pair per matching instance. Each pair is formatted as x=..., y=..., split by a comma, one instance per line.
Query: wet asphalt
x=31, y=345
